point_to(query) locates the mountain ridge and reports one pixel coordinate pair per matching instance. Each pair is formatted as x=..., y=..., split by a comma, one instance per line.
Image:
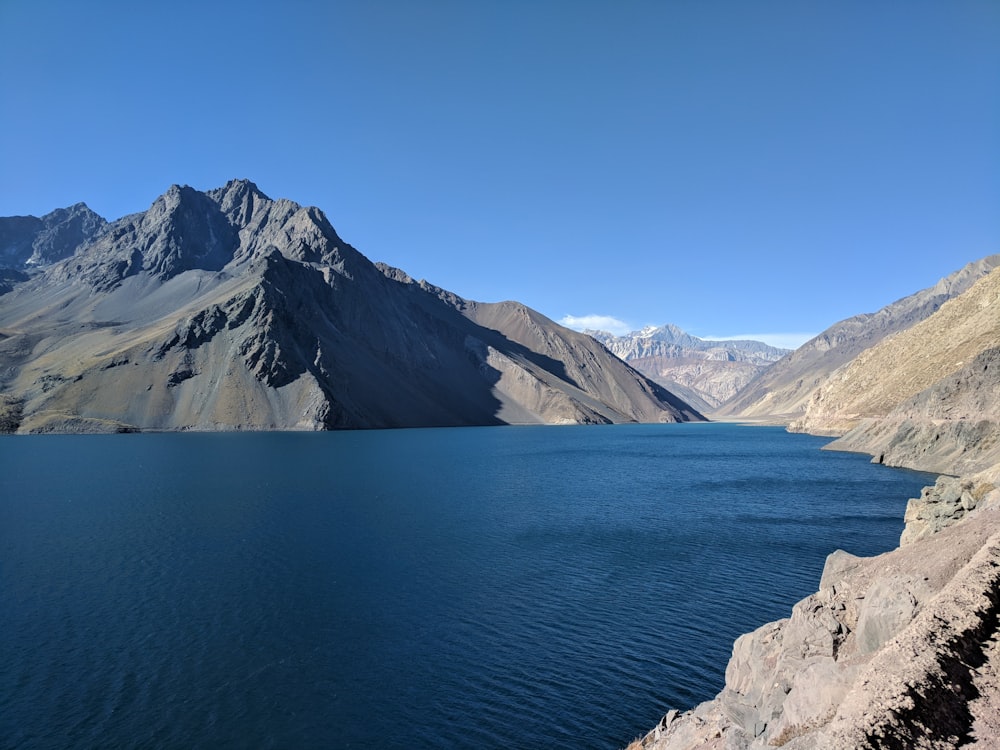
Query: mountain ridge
x=782, y=392
x=706, y=372
x=226, y=309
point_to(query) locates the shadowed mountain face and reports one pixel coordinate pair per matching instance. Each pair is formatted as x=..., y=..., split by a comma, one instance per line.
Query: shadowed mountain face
x=783, y=392
x=229, y=310
x=33, y=241
x=704, y=373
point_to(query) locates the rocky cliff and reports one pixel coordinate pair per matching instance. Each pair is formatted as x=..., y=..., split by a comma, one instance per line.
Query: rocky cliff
x=896, y=651
x=230, y=310
x=706, y=373
x=901, y=650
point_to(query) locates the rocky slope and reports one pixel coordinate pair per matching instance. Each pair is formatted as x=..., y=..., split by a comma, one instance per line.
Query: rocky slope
x=781, y=393
x=229, y=310
x=897, y=369
x=951, y=427
x=706, y=373
x=901, y=650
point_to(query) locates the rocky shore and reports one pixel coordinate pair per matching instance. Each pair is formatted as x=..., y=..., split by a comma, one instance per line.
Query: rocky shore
x=901, y=650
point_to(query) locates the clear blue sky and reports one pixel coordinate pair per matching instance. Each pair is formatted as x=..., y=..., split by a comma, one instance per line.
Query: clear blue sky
x=729, y=167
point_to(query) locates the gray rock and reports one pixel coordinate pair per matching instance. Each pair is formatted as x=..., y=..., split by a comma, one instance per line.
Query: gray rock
x=29, y=241
x=230, y=310
x=889, y=605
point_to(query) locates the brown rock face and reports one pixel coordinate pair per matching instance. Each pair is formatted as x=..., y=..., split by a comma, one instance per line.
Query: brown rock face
x=884, y=376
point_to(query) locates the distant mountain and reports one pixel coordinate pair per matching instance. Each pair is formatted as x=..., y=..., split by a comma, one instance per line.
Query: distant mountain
x=705, y=373
x=33, y=241
x=782, y=392
x=229, y=310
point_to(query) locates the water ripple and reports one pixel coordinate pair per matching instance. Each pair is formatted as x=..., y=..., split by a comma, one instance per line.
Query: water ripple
x=490, y=588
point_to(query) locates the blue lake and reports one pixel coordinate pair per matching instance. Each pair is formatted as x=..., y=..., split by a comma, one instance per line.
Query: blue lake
x=513, y=587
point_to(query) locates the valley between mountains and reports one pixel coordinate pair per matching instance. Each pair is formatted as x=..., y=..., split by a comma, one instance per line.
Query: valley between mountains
x=228, y=310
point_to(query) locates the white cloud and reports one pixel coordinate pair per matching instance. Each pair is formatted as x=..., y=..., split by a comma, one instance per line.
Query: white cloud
x=783, y=340
x=596, y=323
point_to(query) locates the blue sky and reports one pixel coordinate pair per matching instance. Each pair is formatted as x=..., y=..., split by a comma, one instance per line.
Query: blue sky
x=729, y=167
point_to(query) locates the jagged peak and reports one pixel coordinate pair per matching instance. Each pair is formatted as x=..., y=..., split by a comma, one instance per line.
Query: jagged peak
x=236, y=191
x=177, y=195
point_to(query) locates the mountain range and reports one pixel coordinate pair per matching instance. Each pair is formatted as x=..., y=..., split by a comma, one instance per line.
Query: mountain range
x=704, y=373
x=226, y=310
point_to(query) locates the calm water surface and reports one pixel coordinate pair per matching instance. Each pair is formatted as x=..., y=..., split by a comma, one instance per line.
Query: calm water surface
x=517, y=587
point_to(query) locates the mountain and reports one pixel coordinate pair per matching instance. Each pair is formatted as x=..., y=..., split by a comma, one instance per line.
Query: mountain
x=33, y=241
x=928, y=395
x=782, y=392
x=705, y=373
x=228, y=310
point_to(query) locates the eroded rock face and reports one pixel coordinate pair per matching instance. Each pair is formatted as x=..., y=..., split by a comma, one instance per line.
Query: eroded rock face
x=709, y=371
x=951, y=427
x=888, y=653
x=872, y=658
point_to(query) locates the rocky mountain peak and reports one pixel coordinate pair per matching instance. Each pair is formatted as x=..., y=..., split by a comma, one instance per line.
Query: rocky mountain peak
x=239, y=199
x=705, y=373
x=30, y=241
x=290, y=328
x=182, y=230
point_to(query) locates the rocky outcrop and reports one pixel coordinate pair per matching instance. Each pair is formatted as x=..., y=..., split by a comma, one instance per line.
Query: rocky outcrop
x=890, y=652
x=941, y=505
x=229, y=310
x=782, y=393
x=709, y=372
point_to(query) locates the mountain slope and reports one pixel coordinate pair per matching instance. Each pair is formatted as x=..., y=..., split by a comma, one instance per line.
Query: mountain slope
x=229, y=310
x=952, y=427
x=898, y=368
x=782, y=392
x=706, y=373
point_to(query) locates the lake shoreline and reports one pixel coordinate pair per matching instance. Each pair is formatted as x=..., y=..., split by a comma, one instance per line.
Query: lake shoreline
x=839, y=674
